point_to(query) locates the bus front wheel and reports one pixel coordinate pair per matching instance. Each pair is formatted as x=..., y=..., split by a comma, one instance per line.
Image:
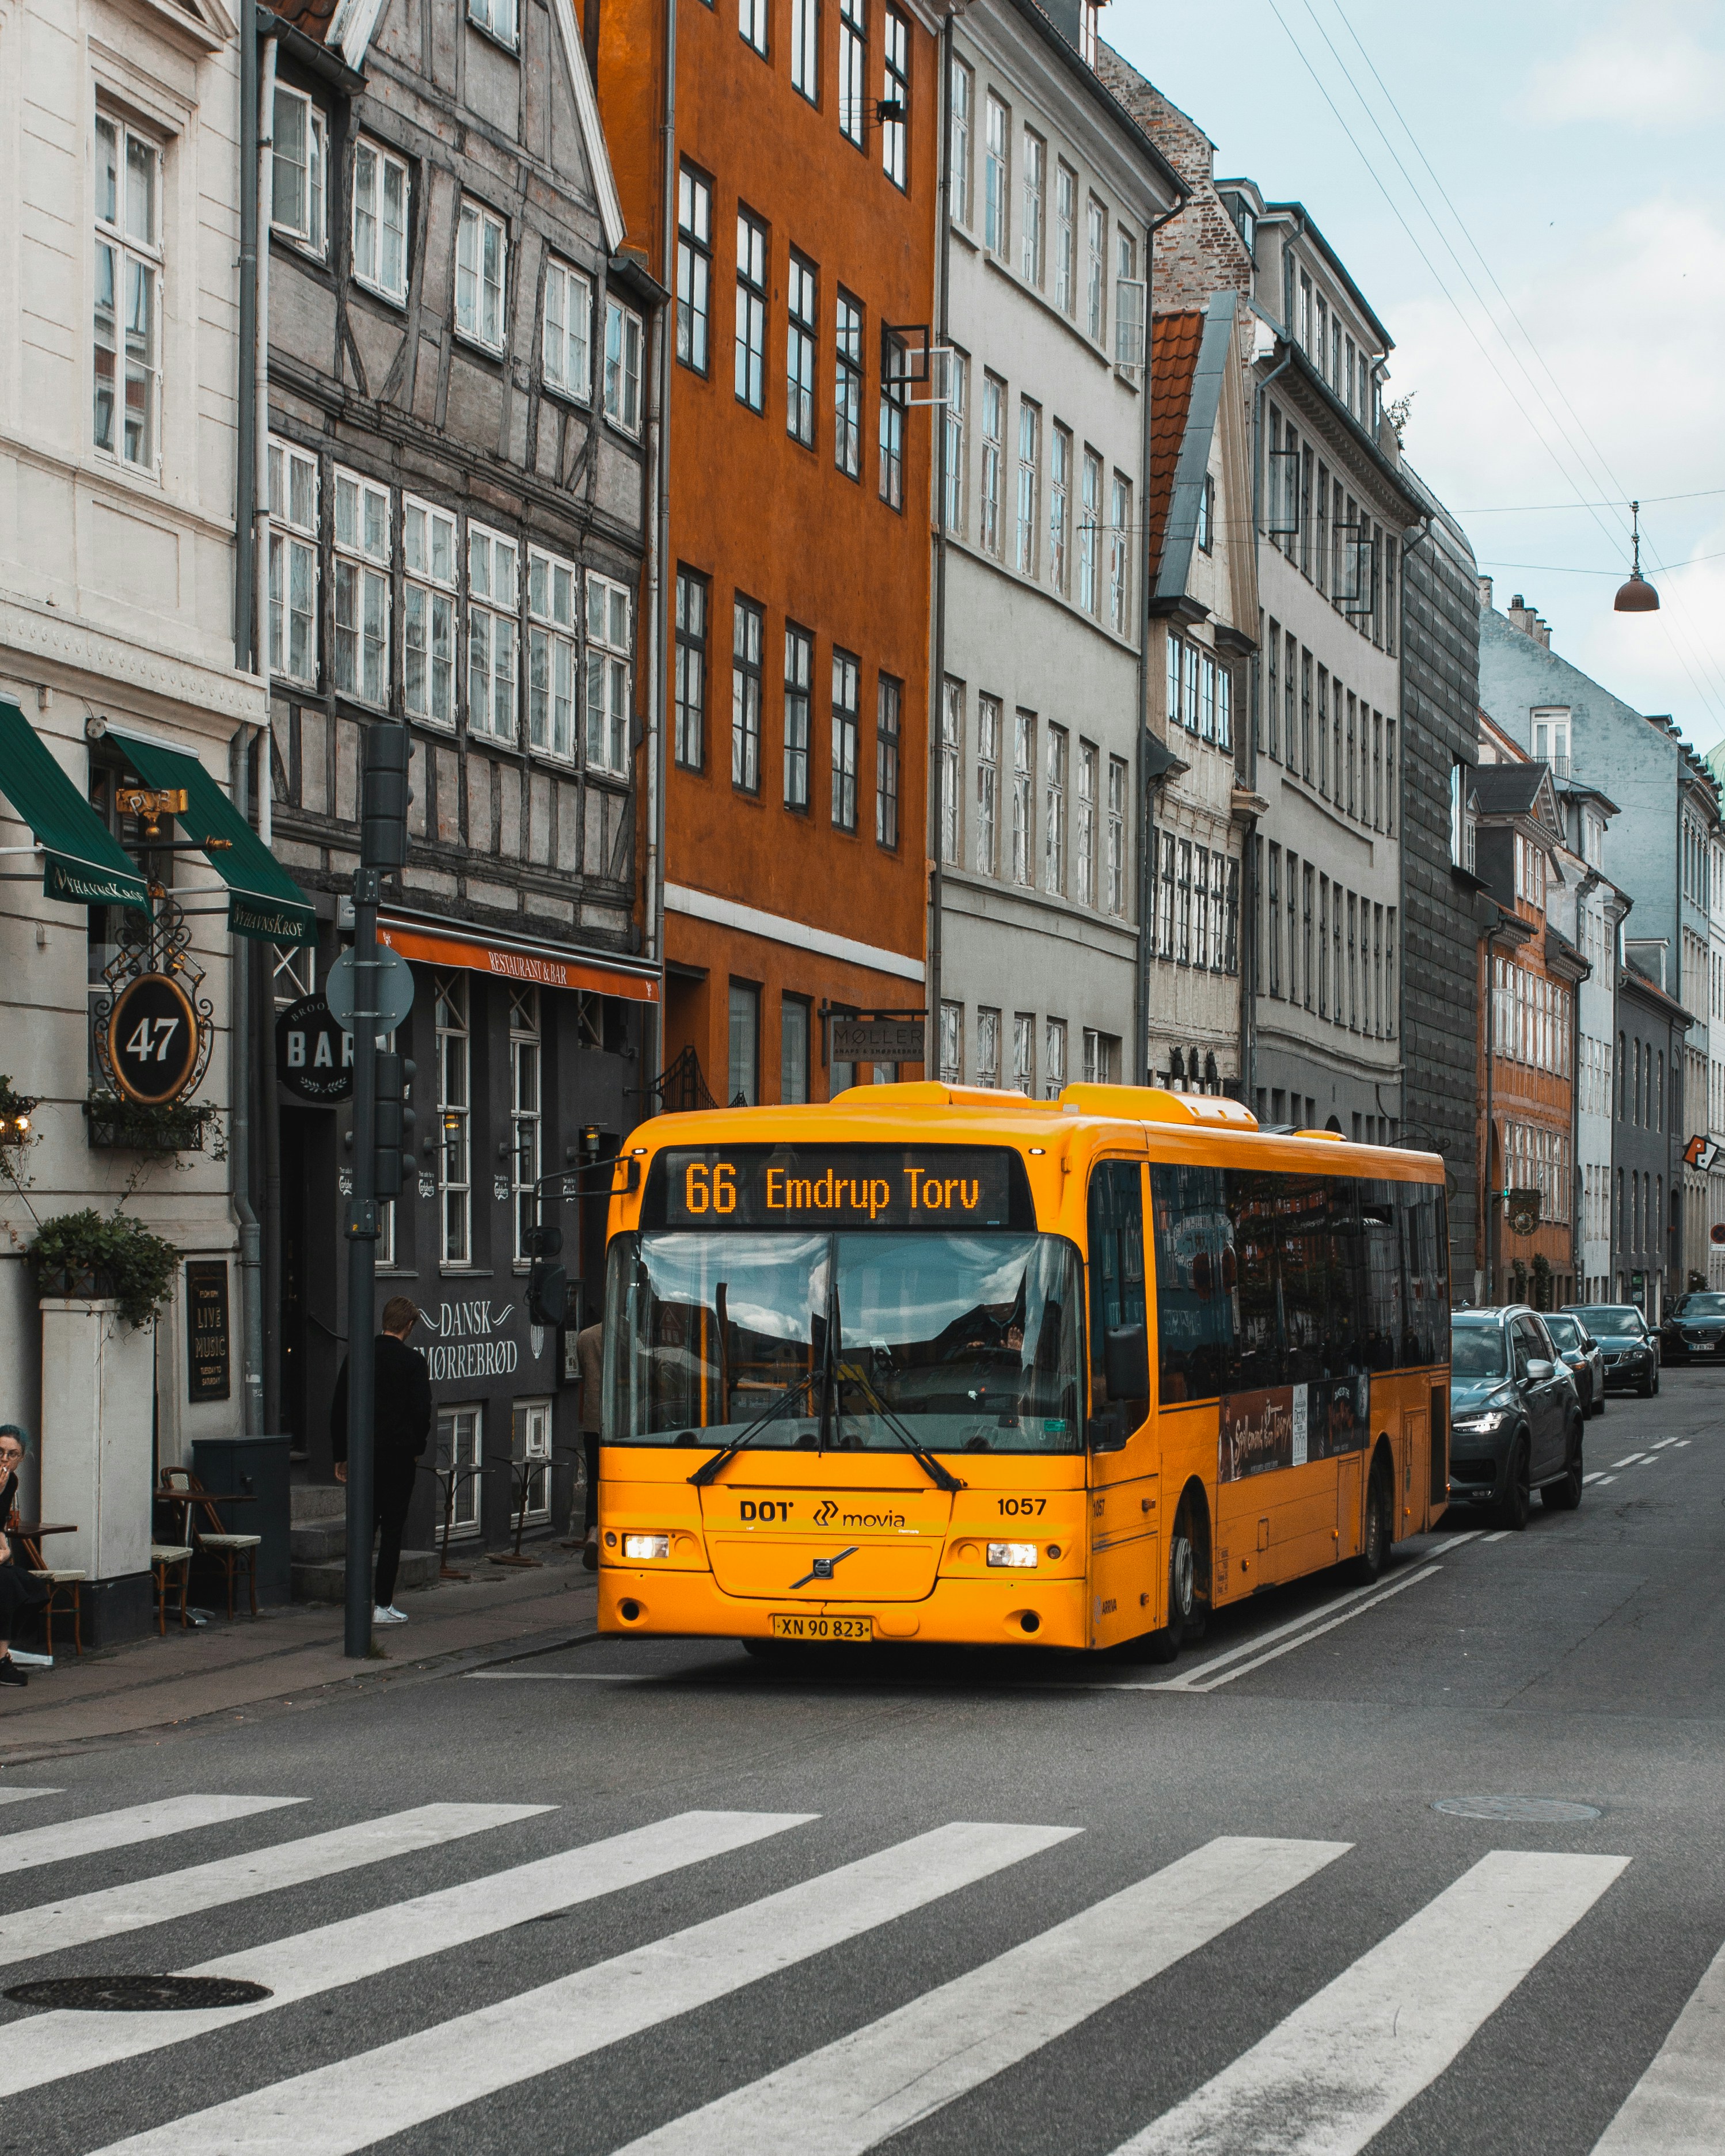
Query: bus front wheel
x=1378, y=1528
x=1181, y=1591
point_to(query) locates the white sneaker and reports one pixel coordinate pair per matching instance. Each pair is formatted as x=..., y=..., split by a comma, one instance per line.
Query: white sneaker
x=388, y=1617
x=400, y=1616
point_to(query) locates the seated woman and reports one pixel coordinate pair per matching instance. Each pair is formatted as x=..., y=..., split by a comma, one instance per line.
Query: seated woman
x=19, y=1590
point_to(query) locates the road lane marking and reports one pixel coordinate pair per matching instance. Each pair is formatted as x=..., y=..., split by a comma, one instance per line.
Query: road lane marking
x=1598, y=1475
x=1630, y=1461
x=101, y=1831
x=1339, y=2068
x=902, y=2069
x=1454, y=1542
x=561, y=1676
x=19, y=1796
x=1287, y=1646
x=1604, y=1479
x=1498, y=1536
x=377, y=1940
x=334, y=2110
x=1665, y=1442
x=112, y=1910
x=1677, y=2108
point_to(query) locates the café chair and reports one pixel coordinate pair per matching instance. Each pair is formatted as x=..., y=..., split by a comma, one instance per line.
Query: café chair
x=212, y=1539
x=166, y=1557
x=61, y=1582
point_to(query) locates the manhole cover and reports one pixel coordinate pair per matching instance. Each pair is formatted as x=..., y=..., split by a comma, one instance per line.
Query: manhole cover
x=137, y=1994
x=1545, y=1810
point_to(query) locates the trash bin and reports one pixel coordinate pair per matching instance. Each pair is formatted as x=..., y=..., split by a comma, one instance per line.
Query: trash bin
x=254, y=1467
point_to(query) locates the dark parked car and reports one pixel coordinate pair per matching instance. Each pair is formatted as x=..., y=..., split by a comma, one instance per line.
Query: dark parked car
x=1694, y=1329
x=1628, y=1341
x=1583, y=1354
x=1515, y=1418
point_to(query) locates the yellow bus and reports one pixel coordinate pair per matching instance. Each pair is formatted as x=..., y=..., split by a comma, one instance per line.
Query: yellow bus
x=939, y=1364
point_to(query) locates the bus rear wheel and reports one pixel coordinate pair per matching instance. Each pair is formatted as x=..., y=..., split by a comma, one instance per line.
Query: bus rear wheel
x=1378, y=1528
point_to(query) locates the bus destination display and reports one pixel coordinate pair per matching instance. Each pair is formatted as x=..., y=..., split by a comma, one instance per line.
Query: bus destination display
x=838, y=1187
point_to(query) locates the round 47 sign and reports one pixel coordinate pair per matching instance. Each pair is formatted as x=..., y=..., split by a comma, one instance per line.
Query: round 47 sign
x=152, y=1039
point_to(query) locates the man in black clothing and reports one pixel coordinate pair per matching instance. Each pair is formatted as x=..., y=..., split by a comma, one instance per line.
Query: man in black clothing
x=401, y=1425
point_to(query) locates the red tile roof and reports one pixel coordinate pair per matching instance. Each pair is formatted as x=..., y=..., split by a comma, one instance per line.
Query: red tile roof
x=1174, y=342
x=311, y=16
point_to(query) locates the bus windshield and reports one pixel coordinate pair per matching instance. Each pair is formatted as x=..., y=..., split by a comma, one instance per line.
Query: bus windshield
x=971, y=1341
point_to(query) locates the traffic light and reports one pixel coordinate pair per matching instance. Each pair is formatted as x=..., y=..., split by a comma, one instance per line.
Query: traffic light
x=384, y=796
x=548, y=1294
x=394, y=1151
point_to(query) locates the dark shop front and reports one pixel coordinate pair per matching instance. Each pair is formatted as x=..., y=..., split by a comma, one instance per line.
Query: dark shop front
x=527, y=1061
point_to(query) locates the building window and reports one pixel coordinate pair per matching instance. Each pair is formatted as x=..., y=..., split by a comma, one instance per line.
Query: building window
x=1207, y=696
x=1030, y=517
x=622, y=366
x=530, y=1445
x=895, y=89
x=461, y=1445
x=1023, y=1052
x=298, y=186
x=1116, y=836
x=1086, y=892
x=380, y=220
x=1207, y=514
x=1225, y=707
x=1090, y=520
x=1165, y=930
x=751, y=311
x=805, y=58
x=1120, y=558
x=1200, y=939
x=1066, y=239
x=792, y=1050
x=997, y=126
x=1024, y=806
x=852, y=58
x=889, y=695
x=126, y=411
x=1274, y=922
x=1128, y=304
x=454, y=1102
x=1101, y=1058
x=988, y=1047
x=1054, y=811
x=892, y=423
x=746, y=626
x=951, y=813
x=751, y=22
x=1060, y=503
x=1551, y=741
x=492, y=600
x=691, y=670
x=429, y=596
x=524, y=1115
x=958, y=143
x=958, y=441
x=743, y=1086
x=497, y=19
x=1035, y=181
x=361, y=651
x=798, y=674
x=1054, y=1058
x=609, y=647
x=293, y=563
x=993, y=448
x=987, y=785
x=952, y=1043
x=552, y=611
x=481, y=270
x=847, y=386
x=1096, y=304
x=802, y=329
x=846, y=674
x=694, y=269
x=568, y=312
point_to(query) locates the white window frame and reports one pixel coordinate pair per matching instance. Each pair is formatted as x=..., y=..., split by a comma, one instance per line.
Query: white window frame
x=461, y=1443
x=359, y=601
x=989, y=719
x=988, y=1047
x=623, y=365
x=481, y=276
x=493, y=630
x=1028, y=527
x=498, y=19
x=451, y=1019
x=1023, y=799
x=1066, y=229
x=553, y=654
x=293, y=553
x=996, y=178
x=958, y=441
x=1056, y=778
x=958, y=162
x=566, y=340
x=369, y=249
x=530, y=1424
x=1118, y=818
x=952, y=771
x=430, y=598
x=526, y=1089
x=1084, y=830
x=610, y=651
x=993, y=462
x=1095, y=309
x=138, y=266
x=1054, y=1057
x=1034, y=220
x=308, y=226
x=1023, y=1052
x=1120, y=557
x=1090, y=519
x=1059, y=506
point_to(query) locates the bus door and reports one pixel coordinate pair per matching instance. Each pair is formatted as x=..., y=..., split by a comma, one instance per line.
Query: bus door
x=1126, y=1589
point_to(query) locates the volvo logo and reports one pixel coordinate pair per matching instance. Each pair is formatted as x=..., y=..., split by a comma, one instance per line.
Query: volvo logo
x=822, y=1567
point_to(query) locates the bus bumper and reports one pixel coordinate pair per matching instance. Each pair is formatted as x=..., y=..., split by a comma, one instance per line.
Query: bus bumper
x=1015, y=1610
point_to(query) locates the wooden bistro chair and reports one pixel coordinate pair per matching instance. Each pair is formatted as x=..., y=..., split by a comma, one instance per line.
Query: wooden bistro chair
x=65, y=1592
x=210, y=1538
x=165, y=1559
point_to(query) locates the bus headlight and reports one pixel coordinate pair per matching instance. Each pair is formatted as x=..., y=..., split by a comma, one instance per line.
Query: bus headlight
x=636, y=1548
x=1012, y=1553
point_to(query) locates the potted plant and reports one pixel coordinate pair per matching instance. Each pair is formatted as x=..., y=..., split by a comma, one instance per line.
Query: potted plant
x=136, y=1127
x=86, y=1255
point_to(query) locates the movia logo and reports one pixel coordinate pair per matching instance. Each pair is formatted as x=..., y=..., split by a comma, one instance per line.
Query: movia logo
x=826, y=1514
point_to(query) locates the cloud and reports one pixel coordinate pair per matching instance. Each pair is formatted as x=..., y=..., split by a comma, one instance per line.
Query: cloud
x=1647, y=69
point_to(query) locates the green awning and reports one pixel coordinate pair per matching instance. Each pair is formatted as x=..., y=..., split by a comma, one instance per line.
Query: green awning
x=264, y=901
x=82, y=864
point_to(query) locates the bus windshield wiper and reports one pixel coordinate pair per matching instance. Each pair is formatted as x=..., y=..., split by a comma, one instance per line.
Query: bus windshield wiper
x=941, y=1477
x=708, y=1471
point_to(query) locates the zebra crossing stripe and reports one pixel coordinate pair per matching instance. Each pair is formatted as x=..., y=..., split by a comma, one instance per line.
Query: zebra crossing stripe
x=104, y=1830
x=366, y=1945
x=112, y=1910
x=1677, y=2108
x=1340, y=2068
x=347, y=2106
x=871, y=2084
x=18, y=1796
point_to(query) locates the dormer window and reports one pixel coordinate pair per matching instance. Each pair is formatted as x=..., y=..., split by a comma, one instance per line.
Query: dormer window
x=1551, y=739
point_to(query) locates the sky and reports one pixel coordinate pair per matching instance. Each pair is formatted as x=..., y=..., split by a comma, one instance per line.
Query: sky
x=1559, y=320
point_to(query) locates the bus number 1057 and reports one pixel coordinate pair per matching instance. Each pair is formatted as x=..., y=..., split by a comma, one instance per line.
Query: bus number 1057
x=1023, y=1507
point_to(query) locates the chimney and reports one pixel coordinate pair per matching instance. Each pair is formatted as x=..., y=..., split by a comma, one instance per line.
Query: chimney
x=1524, y=617
x=1485, y=588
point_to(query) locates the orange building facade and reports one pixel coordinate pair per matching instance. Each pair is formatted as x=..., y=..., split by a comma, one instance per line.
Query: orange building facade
x=780, y=176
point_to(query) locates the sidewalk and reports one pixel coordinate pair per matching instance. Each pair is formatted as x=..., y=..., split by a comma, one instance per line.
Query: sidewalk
x=292, y=1653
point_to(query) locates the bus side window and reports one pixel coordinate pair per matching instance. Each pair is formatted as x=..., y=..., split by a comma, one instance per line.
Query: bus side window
x=1117, y=1315
x=1196, y=1280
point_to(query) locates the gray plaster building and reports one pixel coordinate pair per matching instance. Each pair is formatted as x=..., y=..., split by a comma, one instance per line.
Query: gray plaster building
x=456, y=384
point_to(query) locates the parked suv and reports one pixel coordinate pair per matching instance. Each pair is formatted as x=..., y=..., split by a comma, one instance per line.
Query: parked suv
x=1694, y=1329
x=1583, y=1354
x=1515, y=1417
x=1630, y=1350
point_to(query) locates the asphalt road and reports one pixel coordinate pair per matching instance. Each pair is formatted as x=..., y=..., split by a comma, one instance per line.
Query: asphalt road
x=869, y=1902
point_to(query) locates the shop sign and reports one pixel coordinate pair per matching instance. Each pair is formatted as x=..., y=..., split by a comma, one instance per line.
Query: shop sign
x=471, y=1341
x=313, y=1056
x=207, y=1354
x=153, y=1039
x=1524, y=1211
x=877, y=1040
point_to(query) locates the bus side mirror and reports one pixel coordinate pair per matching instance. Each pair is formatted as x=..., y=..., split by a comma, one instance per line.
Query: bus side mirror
x=1125, y=1363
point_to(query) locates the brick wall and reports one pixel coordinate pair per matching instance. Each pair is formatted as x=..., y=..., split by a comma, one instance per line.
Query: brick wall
x=1199, y=252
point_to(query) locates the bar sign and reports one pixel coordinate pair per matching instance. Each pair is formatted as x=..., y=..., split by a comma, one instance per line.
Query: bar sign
x=206, y=1333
